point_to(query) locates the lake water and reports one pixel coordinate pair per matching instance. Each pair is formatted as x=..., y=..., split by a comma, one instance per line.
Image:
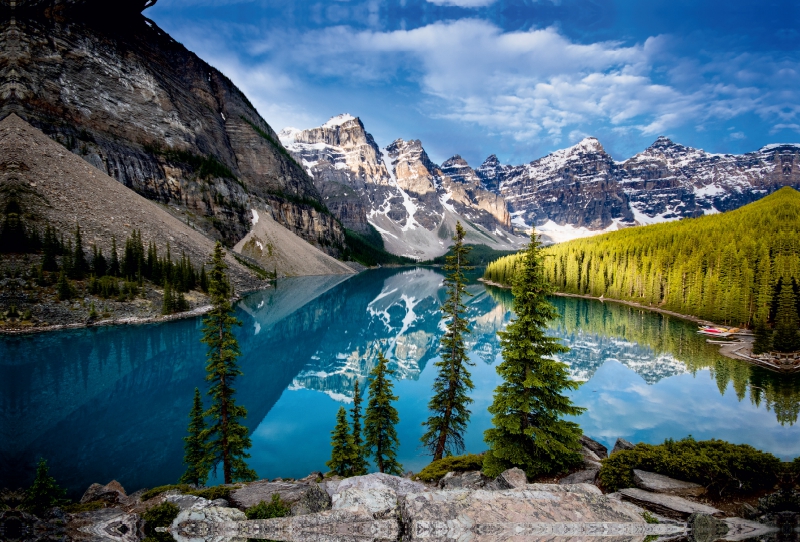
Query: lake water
x=112, y=403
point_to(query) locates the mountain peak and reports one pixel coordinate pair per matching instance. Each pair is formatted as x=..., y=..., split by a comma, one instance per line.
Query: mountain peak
x=588, y=144
x=338, y=120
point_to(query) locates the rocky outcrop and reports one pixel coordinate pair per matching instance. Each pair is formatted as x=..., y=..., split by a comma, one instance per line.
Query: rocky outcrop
x=412, y=202
x=622, y=444
x=141, y=108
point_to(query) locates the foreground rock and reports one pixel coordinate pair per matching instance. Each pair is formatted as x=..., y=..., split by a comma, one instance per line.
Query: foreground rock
x=302, y=498
x=380, y=481
x=218, y=524
x=658, y=483
x=622, y=444
x=670, y=506
x=542, y=510
x=587, y=476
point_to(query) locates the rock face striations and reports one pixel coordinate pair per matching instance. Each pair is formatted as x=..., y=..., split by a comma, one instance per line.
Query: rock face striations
x=583, y=187
x=398, y=190
x=140, y=107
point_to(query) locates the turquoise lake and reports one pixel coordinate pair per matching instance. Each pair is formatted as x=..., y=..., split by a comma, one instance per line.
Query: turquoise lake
x=113, y=403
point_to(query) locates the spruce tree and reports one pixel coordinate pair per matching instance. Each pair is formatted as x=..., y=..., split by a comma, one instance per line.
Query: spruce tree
x=45, y=493
x=63, y=288
x=168, y=304
x=113, y=264
x=528, y=431
x=79, y=263
x=379, y=420
x=343, y=452
x=786, y=337
x=360, y=463
x=227, y=438
x=448, y=406
x=194, y=456
x=762, y=337
x=49, y=250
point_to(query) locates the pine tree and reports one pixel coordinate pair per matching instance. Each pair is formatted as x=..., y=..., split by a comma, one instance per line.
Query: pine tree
x=79, y=263
x=786, y=337
x=113, y=265
x=380, y=419
x=528, y=431
x=63, y=288
x=763, y=337
x=227, y=438
x=360, y=462
x=343, y=452
x=168, y=305
x=45, y=493
x=49, y=250
x=448, y=406
x=194, y=456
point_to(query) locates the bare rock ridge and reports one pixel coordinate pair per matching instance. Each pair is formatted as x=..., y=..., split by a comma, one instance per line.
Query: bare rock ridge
x=57, y=188
x=398, y=190
x=143, y=109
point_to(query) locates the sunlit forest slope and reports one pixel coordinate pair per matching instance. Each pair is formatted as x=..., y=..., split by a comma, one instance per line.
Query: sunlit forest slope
x=729, y=268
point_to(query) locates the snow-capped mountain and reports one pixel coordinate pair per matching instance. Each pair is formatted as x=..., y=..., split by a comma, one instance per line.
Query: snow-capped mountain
x=582, y=191
x=398, y=190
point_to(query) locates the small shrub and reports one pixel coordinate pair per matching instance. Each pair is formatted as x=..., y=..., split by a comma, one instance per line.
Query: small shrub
x=213, y=493
x=159, y=516
x=457, y=463
x=722, y=467
x=649, y=518
x=275, y=509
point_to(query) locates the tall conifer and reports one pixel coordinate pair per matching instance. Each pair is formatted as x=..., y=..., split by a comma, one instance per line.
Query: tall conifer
x=227, y=437
x=343, y=449
x=45, y=493
x=787, y=337
x=113, y=264
x=528, y=431
x=448, y=406
x=194, y=456
x=360, y=463
x=380, y=419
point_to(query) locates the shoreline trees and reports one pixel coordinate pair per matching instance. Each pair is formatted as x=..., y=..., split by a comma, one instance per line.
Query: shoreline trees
x=449, y=413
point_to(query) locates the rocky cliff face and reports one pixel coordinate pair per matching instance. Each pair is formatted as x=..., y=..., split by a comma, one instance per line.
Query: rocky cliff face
x=410, y=200
x=143, y=109
x=581, y=190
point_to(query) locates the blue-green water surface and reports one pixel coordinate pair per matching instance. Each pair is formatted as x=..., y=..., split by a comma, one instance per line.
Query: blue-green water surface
x=112, y=403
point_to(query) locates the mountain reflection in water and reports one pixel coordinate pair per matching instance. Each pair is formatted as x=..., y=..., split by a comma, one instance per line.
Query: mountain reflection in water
x=113, y=403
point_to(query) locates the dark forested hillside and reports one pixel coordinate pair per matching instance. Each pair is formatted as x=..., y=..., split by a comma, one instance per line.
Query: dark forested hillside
x=730, y=268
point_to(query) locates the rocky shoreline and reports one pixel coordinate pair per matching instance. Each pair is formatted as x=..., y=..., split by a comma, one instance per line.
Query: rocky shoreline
x=461, y=506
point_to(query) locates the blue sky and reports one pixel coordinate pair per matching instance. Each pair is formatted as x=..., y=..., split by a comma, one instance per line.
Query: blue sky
x=516, y=78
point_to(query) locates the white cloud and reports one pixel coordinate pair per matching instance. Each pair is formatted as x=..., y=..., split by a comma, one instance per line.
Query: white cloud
x=529, y=85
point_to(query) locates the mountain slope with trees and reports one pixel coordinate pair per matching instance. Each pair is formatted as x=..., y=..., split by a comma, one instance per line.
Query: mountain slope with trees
x=729, y=268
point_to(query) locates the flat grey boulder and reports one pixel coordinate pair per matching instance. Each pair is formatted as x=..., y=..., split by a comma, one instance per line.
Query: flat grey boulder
x=186, y=502
x=586, y=476
x=378, y=480
x=670, y=506
x=302, y=498
x=378, y=503
x=658, y=483
x=512, y=479
x=599, y=450
x=622, y=444
x=584, y=489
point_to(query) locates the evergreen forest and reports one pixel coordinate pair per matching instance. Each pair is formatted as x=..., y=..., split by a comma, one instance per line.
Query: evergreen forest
x=731, y=268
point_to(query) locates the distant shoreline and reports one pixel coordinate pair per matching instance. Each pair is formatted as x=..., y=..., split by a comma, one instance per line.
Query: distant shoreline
x=725, y=350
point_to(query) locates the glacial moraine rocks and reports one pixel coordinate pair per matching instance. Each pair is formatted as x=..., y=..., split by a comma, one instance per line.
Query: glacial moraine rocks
x=658, y=483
